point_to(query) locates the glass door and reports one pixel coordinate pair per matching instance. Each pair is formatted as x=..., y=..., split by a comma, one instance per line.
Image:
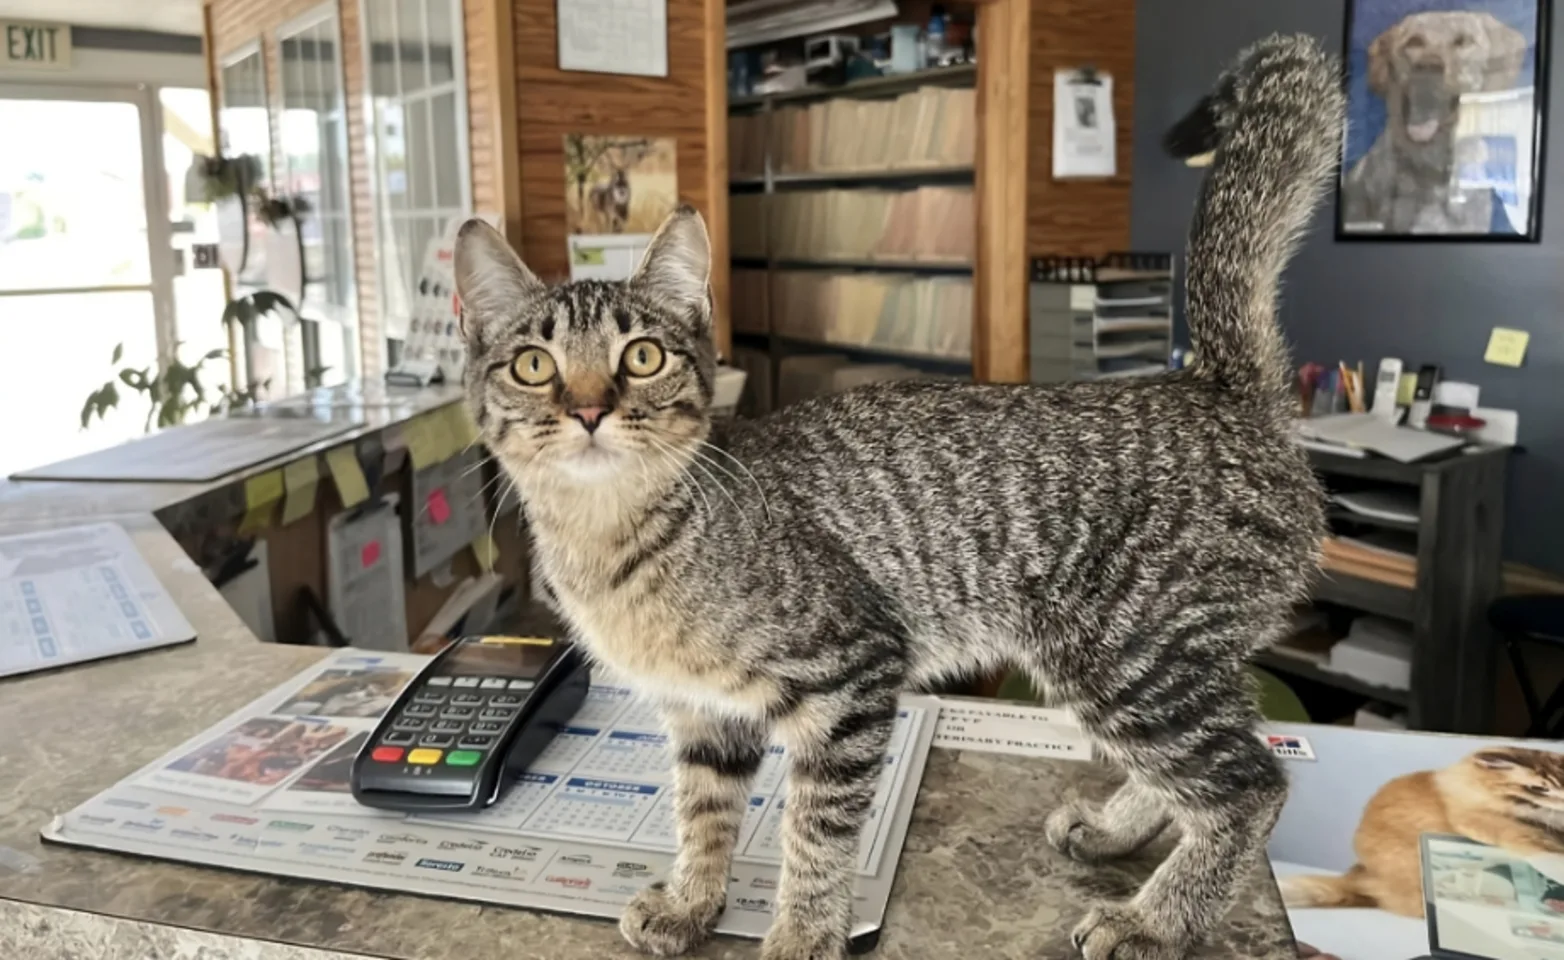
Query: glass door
x=83, y=266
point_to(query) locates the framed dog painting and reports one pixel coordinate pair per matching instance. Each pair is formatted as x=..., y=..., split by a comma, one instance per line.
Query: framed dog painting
x=1446, y=100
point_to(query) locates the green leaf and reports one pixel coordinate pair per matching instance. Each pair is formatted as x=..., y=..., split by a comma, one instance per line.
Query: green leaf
x=119, y=351
x=217, y=354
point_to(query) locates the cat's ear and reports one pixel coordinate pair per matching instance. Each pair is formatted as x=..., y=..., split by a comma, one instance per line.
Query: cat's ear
x=1494, y=760
x=677, y=264
x=490, y=278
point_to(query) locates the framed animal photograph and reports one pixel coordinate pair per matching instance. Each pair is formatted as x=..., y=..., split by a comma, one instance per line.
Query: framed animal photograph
x=619, y=185
x=1445, y=107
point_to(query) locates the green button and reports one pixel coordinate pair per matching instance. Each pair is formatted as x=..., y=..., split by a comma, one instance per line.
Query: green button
x=463, y=758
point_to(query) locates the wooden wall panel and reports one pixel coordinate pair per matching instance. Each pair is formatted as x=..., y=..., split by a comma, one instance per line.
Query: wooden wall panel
x=999, y=336
x=551, y=103
x=1079, y=216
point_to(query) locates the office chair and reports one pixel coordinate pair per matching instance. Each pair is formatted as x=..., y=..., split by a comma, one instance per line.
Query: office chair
x=1536, y=619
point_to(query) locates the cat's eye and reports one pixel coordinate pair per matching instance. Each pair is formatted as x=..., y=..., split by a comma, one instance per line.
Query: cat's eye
x=533, y=367
x=1538, y=789
x=642, y=358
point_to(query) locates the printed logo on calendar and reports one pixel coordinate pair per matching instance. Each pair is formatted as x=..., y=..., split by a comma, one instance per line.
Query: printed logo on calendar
x=173, y=811
x=293, y=826
x=389, y=858
x=576, y=859
x=199, y=836
x=762, y=883
x=463, y=844
x=1289, y=747
x=528, y=854
x=500, y=873
x=569, y=883
x=152, y=825
x=449, y=866
x=753, y=904
x=407, y=838
x=634, y=871
x=325, y=850
x=127, y=804
x=346, y=833
x=620, y=889
x=235, y=818
x=94, y=821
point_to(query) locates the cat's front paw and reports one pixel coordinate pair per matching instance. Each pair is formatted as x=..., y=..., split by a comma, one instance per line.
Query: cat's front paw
x=1070, y=831
x=1118, y=931
x=663, y=925
x=787, y=941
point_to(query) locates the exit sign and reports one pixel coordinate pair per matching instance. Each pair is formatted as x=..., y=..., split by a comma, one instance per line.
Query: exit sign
x=35, y=46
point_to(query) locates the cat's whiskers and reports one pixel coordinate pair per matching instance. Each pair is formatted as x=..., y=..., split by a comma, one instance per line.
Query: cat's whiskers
x=494, y=515
x=498, y=476
x=764, y=503
x=697, y=460
x=479, y=464
x=686, y=482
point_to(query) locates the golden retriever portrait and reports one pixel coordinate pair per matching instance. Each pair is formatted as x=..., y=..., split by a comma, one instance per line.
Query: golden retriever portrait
x=1450, y=85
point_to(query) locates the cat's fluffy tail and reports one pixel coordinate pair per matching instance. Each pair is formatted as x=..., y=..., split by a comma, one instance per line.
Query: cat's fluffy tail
x=1274, y=121
x=1322, y=891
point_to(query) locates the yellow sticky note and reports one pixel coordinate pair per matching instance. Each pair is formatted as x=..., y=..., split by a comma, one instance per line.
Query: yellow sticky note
x=1406, y=390
x=1507, y=347
x=463, y=430
x=348, y=475
x=300, y=474
x=299, y=479
x=487, y=552
x=256, y=519
x=419, y=444
x=262, y=490
x=442, y=441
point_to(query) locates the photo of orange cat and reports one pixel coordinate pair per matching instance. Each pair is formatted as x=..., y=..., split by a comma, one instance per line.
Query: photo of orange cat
x=1506, y=797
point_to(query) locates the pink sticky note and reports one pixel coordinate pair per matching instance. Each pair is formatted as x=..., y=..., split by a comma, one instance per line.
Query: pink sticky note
x=370, y=553
x=439, y=507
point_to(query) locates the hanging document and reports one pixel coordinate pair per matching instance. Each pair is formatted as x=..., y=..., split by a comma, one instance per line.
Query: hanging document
x=1083, y=124
x=77, y=594
x=614, y=36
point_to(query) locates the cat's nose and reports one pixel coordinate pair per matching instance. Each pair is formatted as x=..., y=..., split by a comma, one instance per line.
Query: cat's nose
x=590, y=417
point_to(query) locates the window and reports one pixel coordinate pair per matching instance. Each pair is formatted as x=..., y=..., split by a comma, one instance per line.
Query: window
x=314, y=161
x=244, y=126
x=243, y=120
x=418, y=139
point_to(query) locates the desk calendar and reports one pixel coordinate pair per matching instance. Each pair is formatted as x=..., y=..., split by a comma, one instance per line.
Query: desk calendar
x=584, y=829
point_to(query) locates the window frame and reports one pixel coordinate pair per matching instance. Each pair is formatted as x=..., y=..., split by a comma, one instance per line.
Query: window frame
x=374, y=330
x=349, y=317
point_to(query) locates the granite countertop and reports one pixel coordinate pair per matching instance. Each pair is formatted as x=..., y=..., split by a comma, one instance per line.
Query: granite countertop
x=976, y=878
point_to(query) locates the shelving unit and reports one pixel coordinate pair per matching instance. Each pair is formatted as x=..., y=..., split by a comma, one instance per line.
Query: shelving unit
x=876, y=308
x=1458, y=530
x=1098, y=319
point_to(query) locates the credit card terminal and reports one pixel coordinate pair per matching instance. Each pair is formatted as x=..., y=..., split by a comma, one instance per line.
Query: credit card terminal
x=469, y=723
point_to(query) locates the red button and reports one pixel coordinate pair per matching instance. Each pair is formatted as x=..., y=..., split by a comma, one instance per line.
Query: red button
x=386, y=754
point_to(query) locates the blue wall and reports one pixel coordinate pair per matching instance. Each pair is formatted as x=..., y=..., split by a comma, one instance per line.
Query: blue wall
x=1422, y=302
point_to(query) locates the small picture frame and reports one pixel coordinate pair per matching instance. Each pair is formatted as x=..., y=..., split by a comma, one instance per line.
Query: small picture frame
x=1445, y=108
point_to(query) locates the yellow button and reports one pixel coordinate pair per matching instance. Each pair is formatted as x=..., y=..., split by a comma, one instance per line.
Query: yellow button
x=424, y=756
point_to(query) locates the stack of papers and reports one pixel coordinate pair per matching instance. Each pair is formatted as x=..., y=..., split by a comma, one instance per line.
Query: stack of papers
x=1353, y=433
x=77, y=594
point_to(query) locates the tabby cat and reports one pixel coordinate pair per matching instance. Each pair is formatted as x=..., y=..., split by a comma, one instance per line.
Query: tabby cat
x=1130, y=544
x=1507, y=797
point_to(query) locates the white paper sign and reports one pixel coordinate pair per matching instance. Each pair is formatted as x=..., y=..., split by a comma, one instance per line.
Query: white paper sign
x=80, y=593
x=614, y=36
x=991, y=726
x=606, y=256
x=1083, y=125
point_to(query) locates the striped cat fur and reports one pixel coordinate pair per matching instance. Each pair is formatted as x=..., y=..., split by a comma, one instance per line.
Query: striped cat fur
x=1129, y=544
